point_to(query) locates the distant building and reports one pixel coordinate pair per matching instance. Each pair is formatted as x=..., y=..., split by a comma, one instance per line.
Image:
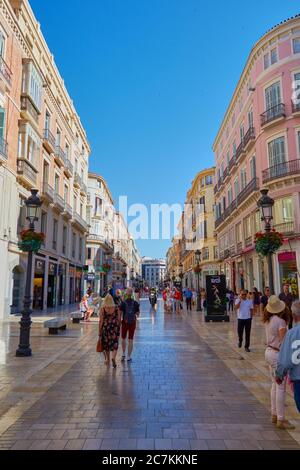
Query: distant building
x=153, y=271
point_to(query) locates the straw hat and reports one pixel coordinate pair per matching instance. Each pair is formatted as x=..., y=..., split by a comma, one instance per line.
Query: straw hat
x=275, y=305
x=108, y=301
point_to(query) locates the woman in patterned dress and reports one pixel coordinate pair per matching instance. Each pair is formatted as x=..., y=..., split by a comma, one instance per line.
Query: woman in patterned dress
x=109, y=329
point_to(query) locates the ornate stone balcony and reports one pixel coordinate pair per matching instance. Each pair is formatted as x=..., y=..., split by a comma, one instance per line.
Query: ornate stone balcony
x=47, y=192
x=285, y=228
x=59, y=203
x=27, y=173
x=59, y=155
x=28, y=110
x=68, y=211
x=68, y=168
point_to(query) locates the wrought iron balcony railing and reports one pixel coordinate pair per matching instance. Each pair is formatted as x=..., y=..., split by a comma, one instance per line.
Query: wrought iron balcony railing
x=5, y=71
x=273, y=113
x=291, y=167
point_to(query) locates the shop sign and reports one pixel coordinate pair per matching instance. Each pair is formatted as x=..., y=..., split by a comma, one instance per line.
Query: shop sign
x=286, y=257
x=52, y=269
x=39, y=266
x=89, y=277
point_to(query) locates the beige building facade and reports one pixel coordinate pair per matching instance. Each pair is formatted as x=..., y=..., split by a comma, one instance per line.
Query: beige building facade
x=44, y=146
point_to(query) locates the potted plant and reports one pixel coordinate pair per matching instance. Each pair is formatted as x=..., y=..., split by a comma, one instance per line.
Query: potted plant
x=31, y=241
x=268, y=242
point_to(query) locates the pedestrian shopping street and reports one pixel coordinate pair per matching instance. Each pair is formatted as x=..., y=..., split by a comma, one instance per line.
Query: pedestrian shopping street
x=188, y=387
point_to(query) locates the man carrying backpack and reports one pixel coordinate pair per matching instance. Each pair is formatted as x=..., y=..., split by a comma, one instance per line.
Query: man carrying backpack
x=130, y=309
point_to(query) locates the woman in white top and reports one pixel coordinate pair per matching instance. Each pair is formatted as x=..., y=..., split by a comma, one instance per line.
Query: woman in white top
x=276, y=318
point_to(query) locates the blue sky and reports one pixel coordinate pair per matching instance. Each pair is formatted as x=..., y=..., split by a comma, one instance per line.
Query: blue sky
x=151, y=81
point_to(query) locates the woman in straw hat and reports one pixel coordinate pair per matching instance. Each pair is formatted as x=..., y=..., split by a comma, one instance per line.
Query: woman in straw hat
x=276, y=318
x=109, y=329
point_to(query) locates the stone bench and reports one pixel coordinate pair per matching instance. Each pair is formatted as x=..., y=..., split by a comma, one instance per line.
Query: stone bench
x=56, y=324
x=77, y=316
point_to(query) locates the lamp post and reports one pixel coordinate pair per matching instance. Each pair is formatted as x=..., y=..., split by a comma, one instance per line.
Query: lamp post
x=33, y=203
x=181, y=274
x=198, y=259
x=266, y=204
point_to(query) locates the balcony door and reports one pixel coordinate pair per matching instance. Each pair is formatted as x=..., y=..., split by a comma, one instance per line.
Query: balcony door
x=276, y=150
x=273, y=96
x=2, y=123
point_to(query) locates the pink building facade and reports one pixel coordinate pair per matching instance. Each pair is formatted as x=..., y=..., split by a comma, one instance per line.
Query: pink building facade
x=258, y=146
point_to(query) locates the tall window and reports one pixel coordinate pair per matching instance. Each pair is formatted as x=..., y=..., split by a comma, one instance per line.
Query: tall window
x=276, y=150
x=206, y=253
x=80, y=249
x=253, y=167
x=56, y=183
x=81, y=209
x=98, y=206
x=65, y=239
x=89, y=253
x=296, y=45
x=73, y=244
x=247, y=227
x=66, y=193
x=54, y=235
x=236, y=187
x=243, y=178
x=273, y=56
x=216, y=254
x=44, y=224
x=2, y=45
x=58, y=137
x=239, y=234
x=250, y=118
x=273, y=95
x=2, y=123
x=32, y=83
x=209, y=180
x=67, y=151
x=283, y=210
x=242, y=132
x=75, y=203
x=47, y=121
x=45, y=172
x=266, y=61
x=230, y=197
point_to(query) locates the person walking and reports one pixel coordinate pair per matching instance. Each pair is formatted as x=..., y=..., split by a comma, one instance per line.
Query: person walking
x=244, y=308
x=109, y=329
x=231, y=301
x=130, y=310
x=276, y=318
x=178, y=298
x=256, y=301
x=188, y=298
x=288, y=358
x=264, y=299
x=83, y=307
x=288, y=299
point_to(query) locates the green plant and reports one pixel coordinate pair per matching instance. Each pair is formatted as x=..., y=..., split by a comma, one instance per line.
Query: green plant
x=268, y=242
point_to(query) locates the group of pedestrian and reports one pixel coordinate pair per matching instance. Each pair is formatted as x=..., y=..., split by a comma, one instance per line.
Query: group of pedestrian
x=172, y=298
x=118, y=317
x=281, y=318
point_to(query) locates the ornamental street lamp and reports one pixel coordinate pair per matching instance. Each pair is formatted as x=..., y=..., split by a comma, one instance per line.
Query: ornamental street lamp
x=198, y=260
x=266, y=204
x=33, y=203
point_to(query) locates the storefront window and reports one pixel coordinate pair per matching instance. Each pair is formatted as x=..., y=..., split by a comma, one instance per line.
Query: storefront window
x=288, y=271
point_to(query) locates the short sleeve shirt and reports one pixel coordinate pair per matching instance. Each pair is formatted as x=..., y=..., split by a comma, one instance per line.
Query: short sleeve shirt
x=244, y=312
x=272, y=331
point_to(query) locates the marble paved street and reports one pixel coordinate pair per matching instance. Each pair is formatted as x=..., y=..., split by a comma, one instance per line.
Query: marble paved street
x=188, y=387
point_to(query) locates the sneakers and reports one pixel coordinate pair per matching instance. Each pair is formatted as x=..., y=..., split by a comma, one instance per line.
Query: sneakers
x=285, y=425
x=247, y=350
x=129, y=359
x=123, y=358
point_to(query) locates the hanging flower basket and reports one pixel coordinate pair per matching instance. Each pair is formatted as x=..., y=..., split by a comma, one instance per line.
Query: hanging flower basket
x=268, y=242
x=106, y=267
x=197, y=270
x=31, y=241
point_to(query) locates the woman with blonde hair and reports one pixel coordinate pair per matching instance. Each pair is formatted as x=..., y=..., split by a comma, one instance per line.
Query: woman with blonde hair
x=109, y=329
x=275, y=318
